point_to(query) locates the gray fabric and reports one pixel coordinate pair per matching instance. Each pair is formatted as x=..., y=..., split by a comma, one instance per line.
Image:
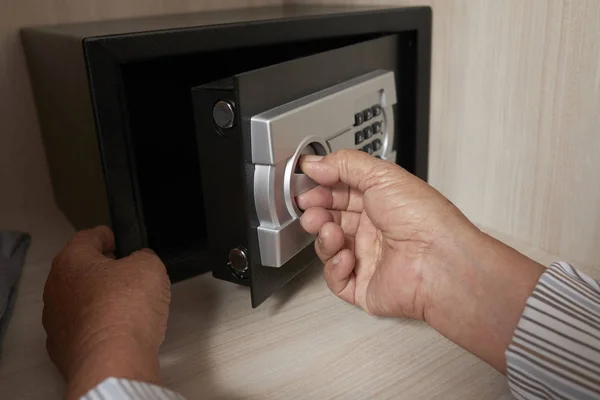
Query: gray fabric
x=13, y=248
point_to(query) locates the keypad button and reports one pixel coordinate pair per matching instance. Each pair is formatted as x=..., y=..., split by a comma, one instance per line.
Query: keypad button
x=377, y=127
x=368, y=114
x=368, y=132
x=358, y=118
x=368, y=148
x=377, y=110
x=376, y=145
x=359, y=137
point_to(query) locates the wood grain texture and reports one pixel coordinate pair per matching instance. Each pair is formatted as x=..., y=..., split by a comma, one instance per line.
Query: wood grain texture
x=515, y=118
x=303, y=343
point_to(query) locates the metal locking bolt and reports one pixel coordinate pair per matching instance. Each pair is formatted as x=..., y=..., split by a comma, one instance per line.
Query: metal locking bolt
x=224, y=114
x=237, y=261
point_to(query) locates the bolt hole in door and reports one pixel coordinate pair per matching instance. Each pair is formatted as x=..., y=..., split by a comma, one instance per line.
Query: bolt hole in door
x=295, y=181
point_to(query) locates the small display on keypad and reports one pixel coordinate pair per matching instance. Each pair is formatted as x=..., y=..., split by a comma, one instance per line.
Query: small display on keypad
x=359, y=137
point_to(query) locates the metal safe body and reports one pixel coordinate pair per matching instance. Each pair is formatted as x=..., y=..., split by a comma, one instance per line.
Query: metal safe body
x=127, y=111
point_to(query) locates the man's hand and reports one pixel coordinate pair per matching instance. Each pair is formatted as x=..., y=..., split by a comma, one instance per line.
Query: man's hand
x=104, y=317
x=395, y=246
x=378, y=226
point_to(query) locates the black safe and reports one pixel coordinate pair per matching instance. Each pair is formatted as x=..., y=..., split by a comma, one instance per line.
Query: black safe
x=183, y=132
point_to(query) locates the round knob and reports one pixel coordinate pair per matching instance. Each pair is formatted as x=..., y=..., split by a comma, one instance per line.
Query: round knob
x=224, y=114
x=237, y=261
x=295, y=182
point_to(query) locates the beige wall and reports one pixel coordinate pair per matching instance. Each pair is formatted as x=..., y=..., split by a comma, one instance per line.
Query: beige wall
x=515, y=119
x=515, y=112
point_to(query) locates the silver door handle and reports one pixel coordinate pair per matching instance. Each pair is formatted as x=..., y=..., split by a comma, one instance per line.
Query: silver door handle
x=301, y=183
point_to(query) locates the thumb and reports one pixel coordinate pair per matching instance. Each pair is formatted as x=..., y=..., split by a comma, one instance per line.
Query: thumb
x=351, y=167
x=147, y=257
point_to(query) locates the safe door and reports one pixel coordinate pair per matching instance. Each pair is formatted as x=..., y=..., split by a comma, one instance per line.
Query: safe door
x=253, y=127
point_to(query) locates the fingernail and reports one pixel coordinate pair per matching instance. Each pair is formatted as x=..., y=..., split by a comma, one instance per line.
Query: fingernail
x=320, y=238
x=336, y=259
x=311, y=158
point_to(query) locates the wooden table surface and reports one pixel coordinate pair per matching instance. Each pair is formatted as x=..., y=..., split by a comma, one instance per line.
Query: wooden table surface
x=303, y=343
x=514, y=131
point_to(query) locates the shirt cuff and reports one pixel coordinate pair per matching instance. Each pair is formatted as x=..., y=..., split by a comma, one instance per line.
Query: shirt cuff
x=555, y=349
x=124, y=389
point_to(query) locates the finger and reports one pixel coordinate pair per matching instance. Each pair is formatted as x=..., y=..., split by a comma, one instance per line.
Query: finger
x=88, y=246
x=100, y=238
x=329, y=241
x=320, y=196
x=336, y=197
x=314, y=218
x=340, y=277
x=354, y=168
x=152, y=271
x=346, y=198
x=319, y=171
x=146, y=257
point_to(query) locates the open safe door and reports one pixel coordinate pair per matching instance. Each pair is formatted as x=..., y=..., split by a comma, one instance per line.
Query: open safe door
x=253, y=127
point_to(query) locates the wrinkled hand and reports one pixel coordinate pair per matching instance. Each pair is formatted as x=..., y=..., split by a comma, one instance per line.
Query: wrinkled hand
x=383, y=234
x=105, y=317
x=395, y=246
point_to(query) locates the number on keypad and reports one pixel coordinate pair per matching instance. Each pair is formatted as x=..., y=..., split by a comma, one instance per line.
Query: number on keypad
x=369, y=129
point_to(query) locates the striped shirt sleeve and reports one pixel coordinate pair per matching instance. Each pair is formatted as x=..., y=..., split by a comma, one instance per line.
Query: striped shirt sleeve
x=555, y=350
x=124, y=389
